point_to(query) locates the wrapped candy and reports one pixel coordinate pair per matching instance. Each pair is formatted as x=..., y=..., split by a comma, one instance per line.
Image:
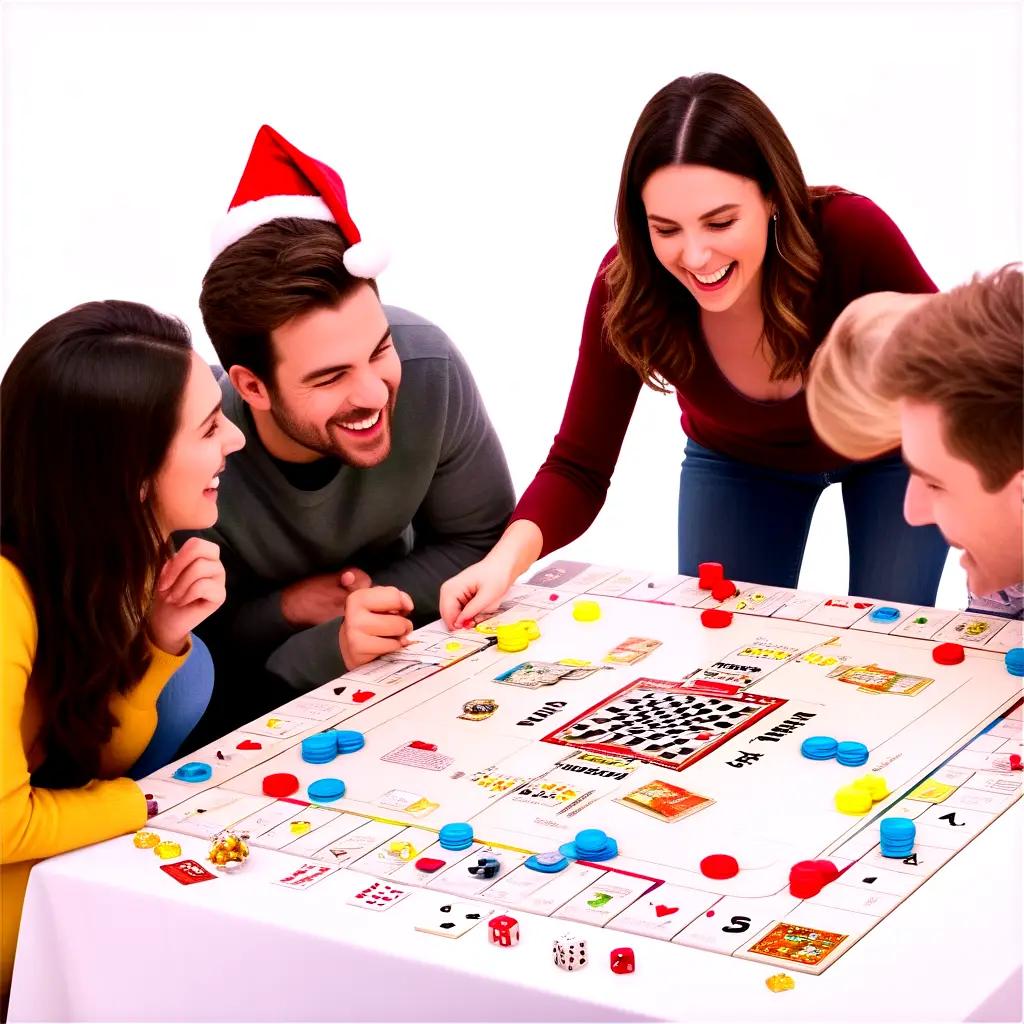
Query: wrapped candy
x=228, y=850
x=780, y=983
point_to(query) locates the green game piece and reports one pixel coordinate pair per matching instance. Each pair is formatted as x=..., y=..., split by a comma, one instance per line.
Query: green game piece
x=599, y=900
x=920, y=620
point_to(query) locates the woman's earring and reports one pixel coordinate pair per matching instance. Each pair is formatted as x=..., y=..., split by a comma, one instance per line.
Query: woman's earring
x=775, y=224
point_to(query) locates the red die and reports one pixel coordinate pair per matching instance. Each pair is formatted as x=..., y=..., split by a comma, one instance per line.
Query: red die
x=503, y=930
x=623, y=960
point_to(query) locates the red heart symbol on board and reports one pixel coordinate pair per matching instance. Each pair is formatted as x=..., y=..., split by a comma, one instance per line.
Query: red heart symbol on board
x=662, y=911
x=249, y=745
x=360, y=695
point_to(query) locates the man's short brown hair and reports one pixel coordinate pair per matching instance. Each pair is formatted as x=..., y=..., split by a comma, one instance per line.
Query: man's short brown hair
x=963, y=350
x=280, y=270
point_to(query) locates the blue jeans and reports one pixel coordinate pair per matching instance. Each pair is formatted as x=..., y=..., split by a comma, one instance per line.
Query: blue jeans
x=178, y=709
x=755, y=521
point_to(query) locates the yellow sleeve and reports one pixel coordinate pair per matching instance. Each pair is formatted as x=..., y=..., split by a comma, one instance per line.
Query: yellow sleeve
x=37, y=822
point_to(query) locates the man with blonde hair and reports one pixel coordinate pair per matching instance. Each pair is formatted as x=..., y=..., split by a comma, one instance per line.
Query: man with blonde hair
x=943, y=376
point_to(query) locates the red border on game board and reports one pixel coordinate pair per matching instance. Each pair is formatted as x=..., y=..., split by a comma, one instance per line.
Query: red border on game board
x=644, y=683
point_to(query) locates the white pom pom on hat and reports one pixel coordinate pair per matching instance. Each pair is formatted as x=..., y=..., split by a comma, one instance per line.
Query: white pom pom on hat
x=281, y=181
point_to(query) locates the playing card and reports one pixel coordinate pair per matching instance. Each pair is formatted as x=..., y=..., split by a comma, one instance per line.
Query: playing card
x=970, y=629
x=418, y=757
x=408, y=802
x=305, y=875
x=798, y=944
x=631, y=650
x=664, y=801
x=835, y=611
x=187, y=872
x=378, y=896
x=532, y=674
x=453, y=920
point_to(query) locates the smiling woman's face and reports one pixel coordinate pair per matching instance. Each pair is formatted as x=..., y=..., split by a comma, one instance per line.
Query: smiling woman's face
x=709, y=230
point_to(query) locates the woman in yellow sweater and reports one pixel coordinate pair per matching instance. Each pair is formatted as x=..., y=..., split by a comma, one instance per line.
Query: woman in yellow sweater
x=112, y=438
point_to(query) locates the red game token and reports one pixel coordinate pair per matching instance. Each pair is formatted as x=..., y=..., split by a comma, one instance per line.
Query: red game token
x=805, y=880
x=948, y=654
x=828, y=871
x=1015, y=763
x=249, y=745
x=715, y=618
x=723, y=590
x=280, y=785
x=429, y=864
x=709, y=573
x=719, y=865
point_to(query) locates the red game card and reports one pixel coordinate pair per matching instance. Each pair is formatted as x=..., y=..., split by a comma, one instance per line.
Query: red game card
x=188, y=871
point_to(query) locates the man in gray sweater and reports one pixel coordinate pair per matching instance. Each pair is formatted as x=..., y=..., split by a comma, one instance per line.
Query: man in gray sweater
x=371, y=472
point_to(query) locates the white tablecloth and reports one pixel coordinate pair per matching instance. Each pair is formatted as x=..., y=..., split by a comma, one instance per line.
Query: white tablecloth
x=107, y=936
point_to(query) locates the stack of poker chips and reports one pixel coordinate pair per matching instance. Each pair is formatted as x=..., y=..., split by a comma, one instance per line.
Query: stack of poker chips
x=897, y=837
x=457, y=835
x=852, y=753
x=324, y=747
x=819, y=748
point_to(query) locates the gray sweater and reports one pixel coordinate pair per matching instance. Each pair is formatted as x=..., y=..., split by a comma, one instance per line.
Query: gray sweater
x=435, y=505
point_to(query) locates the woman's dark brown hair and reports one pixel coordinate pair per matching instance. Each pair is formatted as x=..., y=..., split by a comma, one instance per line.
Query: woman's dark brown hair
x=652, y=320
x=88, y=409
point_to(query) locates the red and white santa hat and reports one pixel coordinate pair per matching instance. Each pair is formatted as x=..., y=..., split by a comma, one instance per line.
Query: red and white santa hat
x=281, y=181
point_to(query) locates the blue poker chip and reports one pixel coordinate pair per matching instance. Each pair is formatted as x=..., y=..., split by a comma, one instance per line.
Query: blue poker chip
x=897, y=829
x=547, y=863
x=321, y=748
x=1015, y=661
x=193, y=771
x=457, y=835
x=326, y=791
x=591, y=844
x=884, y=613
x=349, y=741
x=819, y=748
x=851, y=753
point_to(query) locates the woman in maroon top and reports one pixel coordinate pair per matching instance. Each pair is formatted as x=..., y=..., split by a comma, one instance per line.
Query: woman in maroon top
x=728, y=272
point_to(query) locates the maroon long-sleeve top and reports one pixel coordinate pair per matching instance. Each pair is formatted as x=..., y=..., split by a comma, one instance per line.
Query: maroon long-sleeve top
x=862, y=251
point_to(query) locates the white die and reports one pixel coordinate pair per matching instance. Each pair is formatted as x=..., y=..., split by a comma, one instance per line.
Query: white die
x=570, y=952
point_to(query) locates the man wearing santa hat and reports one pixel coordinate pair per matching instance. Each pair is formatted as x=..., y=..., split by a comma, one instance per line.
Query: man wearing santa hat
x=371, y=472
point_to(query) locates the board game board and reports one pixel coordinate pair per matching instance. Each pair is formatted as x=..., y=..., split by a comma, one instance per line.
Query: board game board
x=690, y=750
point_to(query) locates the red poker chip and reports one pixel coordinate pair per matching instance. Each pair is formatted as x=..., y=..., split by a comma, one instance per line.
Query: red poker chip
x=805, y=880
x=828, y=871
x=723, y=590
x=715, y=618
x=709, y=572
x=719, y=865
x=280, y=785
x=948, y=654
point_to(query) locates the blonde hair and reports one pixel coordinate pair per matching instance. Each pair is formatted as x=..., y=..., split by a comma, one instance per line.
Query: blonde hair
x=964, y=352
x=849, y=408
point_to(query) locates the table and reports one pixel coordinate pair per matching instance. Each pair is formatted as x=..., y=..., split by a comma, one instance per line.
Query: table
x=107, y=935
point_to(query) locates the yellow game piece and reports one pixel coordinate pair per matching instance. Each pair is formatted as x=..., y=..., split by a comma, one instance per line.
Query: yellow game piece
x=574, y=662
x=874, y=785
x=452, y=646
x=228, y=850
x=146, y=840
x=586, y=611
x=273, y=723
x=531, y=628
x=401, y=850
x=166, y=850
x=853, y=800
x=512, y=638
x=299, y=828
x=780, y=983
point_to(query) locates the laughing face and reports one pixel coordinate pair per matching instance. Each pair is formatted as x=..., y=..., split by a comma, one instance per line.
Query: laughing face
x=709, y=230
x=335, y=385
x=946, y=490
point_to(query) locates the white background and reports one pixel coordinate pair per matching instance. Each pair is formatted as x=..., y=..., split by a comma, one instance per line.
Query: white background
x=484, y=141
